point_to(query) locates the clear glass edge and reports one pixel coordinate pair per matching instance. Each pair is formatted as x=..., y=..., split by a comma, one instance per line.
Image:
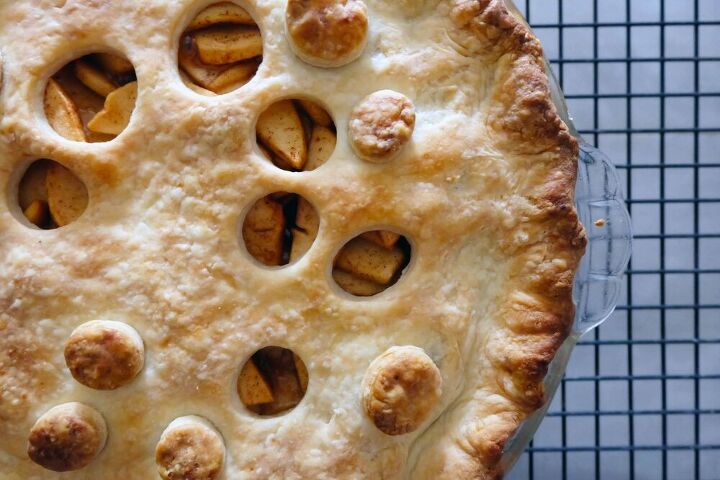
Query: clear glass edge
x=592, y=165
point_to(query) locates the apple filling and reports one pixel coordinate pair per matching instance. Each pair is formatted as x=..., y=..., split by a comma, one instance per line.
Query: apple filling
x=371, y=262
x=50, y=195
x=220, y=50
x=91, y=99
x=296, y=135
x=279, y=228
x=272, y=381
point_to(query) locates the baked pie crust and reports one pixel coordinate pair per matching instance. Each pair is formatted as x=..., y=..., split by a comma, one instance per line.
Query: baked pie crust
x=428, y=379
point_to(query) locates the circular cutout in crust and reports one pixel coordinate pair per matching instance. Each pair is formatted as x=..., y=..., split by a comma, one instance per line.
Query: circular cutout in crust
x=371, y=262
x=51, y=195
x=104, y=355
x=220, y=50
x=280, y=228
x=67, y=437
x=272, y=381
x=380, y=125
x=92, y=98
x=327, y=33
x=190, y=448
x=296, y=135
x=400, y=389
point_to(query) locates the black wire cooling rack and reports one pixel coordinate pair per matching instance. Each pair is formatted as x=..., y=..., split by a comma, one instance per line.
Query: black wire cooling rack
x=641, y=396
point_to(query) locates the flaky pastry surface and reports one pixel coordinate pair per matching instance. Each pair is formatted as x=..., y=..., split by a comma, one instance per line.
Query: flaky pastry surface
x=483, y=191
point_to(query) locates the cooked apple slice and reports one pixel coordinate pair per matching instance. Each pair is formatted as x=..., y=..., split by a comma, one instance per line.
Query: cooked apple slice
x=67, y=195
x=223, y=12
x=308, y=222
x=194, y=86
x=307, y=217
x=301, y=243
x=93, y=78
x=216, y=78
x=88, y=102
x=114, y=64
x=322, y=145
x=61, y=112
x=263, y=230
x=356, y=286
x=272, y=157
x=37, y=213
x=384, y=238
x=370, y=261
x=302, y=372
x=277, y=160
x=266, y=153
x=224, y=44
x=280, y=129
x=318, y=114
x=306, y=121
x=115, y=116
x=32, y=185
x=285, y=383
x=388, y=238
x=234, y=77
x=253, y=388
x=287, y=392
x=203, y=75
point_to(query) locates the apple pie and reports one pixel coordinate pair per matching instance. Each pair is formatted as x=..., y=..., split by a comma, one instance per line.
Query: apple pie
x=277, y=238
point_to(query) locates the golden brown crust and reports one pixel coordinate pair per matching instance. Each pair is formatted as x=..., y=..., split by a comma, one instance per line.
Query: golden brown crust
x=190, y=449
x=327, y=33
x=67, y=437
x=537, y=314
x=400, y=389
x=104, y=355
x=523, y=110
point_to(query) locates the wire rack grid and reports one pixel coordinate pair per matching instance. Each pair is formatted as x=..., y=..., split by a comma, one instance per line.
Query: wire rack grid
x=641, y=395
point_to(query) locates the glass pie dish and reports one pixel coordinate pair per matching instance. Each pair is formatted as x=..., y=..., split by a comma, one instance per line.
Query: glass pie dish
x=602, y=210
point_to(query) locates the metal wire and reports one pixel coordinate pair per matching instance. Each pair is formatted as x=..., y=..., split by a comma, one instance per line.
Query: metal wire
x=597, y=427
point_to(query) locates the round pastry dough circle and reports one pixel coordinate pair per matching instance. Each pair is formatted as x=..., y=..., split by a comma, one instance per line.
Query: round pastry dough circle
x=190, y=448
x=327, y=33
x=104, y=354
x=381, y=124
x=67, y=437
x=400, y=389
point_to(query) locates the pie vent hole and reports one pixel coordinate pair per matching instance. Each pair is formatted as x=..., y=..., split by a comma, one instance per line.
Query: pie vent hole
x=296, y=134
x=220, y=50
x=50, y=195
x=280, y=228
x=92, y=98
x=371, y=262
x=273, y=381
